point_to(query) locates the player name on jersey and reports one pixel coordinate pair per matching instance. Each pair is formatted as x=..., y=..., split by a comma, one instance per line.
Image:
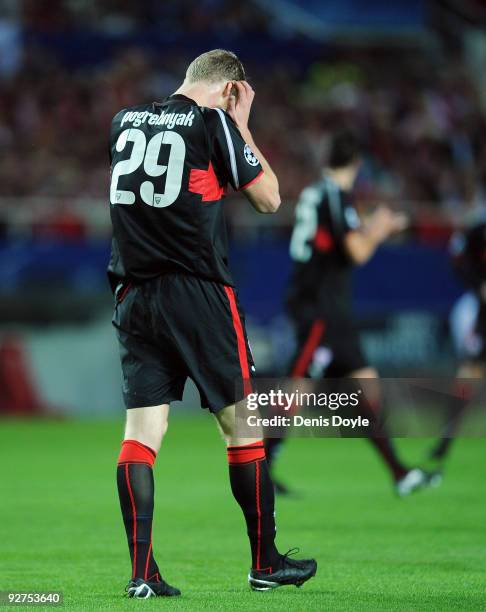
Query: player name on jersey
x=168, y=120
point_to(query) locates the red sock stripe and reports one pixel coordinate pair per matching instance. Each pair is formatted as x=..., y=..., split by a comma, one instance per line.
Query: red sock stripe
x=134, y=517
x=136, y=452
x=259, y=514
x=148, y=557
x=246, y=454
x=257, y=444
x=310, y=346
x=240, y=339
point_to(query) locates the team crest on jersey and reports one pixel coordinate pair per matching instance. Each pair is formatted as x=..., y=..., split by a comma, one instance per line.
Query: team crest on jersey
x=250, y=157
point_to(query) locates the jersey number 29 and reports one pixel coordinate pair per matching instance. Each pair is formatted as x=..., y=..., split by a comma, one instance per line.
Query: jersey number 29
x=148, y=154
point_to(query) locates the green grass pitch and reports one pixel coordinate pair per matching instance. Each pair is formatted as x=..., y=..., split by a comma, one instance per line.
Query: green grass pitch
x=60, y=526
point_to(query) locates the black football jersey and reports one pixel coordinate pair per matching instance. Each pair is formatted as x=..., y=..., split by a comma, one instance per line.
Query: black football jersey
x=171, y=163
x=321, y=278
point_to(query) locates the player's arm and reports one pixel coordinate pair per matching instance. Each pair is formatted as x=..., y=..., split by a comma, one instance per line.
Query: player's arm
x=263, y=193
x=361, y=244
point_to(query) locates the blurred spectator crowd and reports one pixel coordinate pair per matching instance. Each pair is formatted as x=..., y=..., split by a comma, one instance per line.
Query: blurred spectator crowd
x=420, y=115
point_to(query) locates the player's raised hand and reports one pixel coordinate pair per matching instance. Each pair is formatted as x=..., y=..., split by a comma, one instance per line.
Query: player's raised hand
x=386, y=222
x=401, y=221
x=239, y=106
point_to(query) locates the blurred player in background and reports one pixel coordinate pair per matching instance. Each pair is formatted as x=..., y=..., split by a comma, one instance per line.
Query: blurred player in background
x=468, y=327
x=327, y=241
x=177, y=315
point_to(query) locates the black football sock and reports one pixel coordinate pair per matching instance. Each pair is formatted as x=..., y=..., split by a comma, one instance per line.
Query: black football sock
x=136, y=492
x=273, y=447
x=253, y=490
x=385, y=448
x=456, y=408
x=381, y=441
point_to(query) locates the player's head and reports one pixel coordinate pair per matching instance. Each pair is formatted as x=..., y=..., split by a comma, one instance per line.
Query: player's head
x=344, y=150
x=215, y=71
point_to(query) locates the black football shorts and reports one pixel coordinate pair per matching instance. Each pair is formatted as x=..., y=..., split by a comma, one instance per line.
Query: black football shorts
x=327, y=347
x=176, y=327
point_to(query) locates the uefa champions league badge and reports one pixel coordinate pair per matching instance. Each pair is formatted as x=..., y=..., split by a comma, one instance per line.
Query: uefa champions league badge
x=250, y=157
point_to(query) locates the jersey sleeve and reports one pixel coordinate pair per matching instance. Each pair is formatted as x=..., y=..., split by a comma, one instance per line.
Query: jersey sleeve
x=232, y=157
x=351, y=220
x=343, y=216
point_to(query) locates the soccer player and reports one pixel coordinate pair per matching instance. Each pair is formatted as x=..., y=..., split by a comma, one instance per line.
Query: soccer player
x=177, y=315
x=327, y=241
x=468, y=326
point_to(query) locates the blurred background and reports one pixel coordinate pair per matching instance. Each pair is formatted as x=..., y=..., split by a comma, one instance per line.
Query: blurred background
x=409, y=75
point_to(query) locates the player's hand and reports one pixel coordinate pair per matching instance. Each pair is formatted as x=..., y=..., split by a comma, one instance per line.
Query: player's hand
x=239, y=106
x=399, y=222
x=386, y=222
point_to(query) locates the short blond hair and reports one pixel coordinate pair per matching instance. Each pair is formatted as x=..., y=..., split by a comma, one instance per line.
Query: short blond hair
x=214, y=66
